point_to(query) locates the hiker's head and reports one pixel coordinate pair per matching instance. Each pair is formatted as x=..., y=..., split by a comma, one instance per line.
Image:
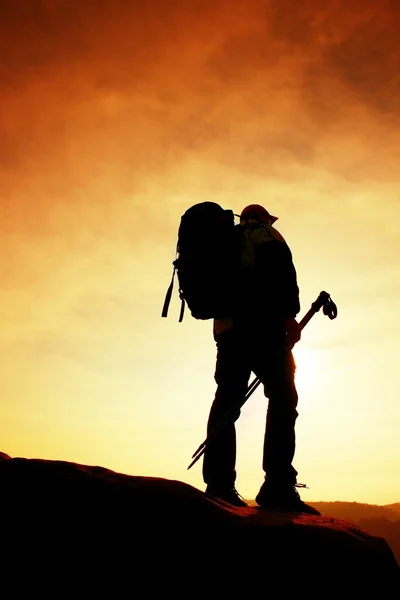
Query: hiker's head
x=256, y=212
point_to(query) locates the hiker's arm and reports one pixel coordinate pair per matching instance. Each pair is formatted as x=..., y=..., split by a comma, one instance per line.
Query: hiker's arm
x=293, y=331
x=290, y=298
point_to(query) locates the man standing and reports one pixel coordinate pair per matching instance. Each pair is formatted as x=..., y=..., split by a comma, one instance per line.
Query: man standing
x=258, y=338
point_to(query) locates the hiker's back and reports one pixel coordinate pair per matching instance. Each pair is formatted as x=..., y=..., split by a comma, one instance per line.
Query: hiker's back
x=268, y=286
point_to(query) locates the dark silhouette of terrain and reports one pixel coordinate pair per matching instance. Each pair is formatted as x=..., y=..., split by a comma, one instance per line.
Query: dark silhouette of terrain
x=384, y=528
x=378, y=520
x=89, y=531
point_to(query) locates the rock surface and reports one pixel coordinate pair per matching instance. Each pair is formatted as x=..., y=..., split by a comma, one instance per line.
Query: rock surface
x=91, y=527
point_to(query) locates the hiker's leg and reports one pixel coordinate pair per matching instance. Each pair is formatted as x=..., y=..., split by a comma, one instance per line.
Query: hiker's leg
x=231, y=375
x=277, y=372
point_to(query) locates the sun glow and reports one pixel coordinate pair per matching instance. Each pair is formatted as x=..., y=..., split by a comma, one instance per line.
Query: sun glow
x=308, y=366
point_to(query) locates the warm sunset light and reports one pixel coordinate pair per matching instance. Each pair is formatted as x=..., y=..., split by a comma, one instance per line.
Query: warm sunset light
x=116, y=117
x=309, y=370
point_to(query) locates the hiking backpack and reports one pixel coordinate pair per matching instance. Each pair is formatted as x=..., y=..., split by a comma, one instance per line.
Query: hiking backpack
x=207, y=262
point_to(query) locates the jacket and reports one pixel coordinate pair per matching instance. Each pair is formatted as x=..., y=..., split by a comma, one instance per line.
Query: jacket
x=267, y=287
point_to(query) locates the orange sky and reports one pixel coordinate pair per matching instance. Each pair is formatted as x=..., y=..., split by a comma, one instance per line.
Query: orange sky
x=115, y=117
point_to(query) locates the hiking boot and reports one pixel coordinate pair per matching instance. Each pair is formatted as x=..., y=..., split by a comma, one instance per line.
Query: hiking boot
x=284, y=499
x=229, y=495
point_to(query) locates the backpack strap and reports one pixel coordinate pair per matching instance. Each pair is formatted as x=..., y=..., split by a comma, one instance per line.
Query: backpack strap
x=182, y=310
x=168, y=295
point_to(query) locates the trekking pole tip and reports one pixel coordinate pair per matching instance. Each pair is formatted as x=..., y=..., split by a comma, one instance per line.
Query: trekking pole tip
x=195, y=460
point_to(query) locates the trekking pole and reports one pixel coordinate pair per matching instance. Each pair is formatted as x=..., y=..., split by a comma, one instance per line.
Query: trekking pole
x=323, y=301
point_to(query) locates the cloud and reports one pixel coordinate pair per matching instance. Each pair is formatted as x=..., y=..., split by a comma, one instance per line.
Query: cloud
x=115, y=114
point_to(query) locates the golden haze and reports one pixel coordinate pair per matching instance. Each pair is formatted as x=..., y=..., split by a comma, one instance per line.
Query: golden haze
x=116, y=116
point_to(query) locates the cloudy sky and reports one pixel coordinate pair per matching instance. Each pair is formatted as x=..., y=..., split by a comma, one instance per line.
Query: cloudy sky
x=115, y=117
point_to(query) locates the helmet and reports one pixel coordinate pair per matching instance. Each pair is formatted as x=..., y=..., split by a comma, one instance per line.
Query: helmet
x=258, y=213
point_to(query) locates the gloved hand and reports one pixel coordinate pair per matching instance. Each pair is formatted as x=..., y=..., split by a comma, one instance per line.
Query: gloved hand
x=293, y=331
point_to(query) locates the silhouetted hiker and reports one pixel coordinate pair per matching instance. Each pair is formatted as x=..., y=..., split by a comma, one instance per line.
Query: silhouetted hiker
x=258, y=337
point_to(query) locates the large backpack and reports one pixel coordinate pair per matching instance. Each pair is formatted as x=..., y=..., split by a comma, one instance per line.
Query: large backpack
x=207, y=262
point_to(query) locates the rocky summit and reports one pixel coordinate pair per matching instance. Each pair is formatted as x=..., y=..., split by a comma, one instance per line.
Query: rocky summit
x=98, y=532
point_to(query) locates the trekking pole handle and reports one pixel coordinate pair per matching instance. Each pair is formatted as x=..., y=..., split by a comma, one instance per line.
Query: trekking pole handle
x=315, y=307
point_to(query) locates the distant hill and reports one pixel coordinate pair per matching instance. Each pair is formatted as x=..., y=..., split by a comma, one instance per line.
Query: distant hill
x=354, y=511
x=395, y=507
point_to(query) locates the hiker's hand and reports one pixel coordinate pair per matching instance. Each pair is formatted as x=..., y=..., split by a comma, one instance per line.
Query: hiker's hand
x=293, y=331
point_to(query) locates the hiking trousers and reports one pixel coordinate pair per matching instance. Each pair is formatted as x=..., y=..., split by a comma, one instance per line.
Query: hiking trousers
x=239, y=353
